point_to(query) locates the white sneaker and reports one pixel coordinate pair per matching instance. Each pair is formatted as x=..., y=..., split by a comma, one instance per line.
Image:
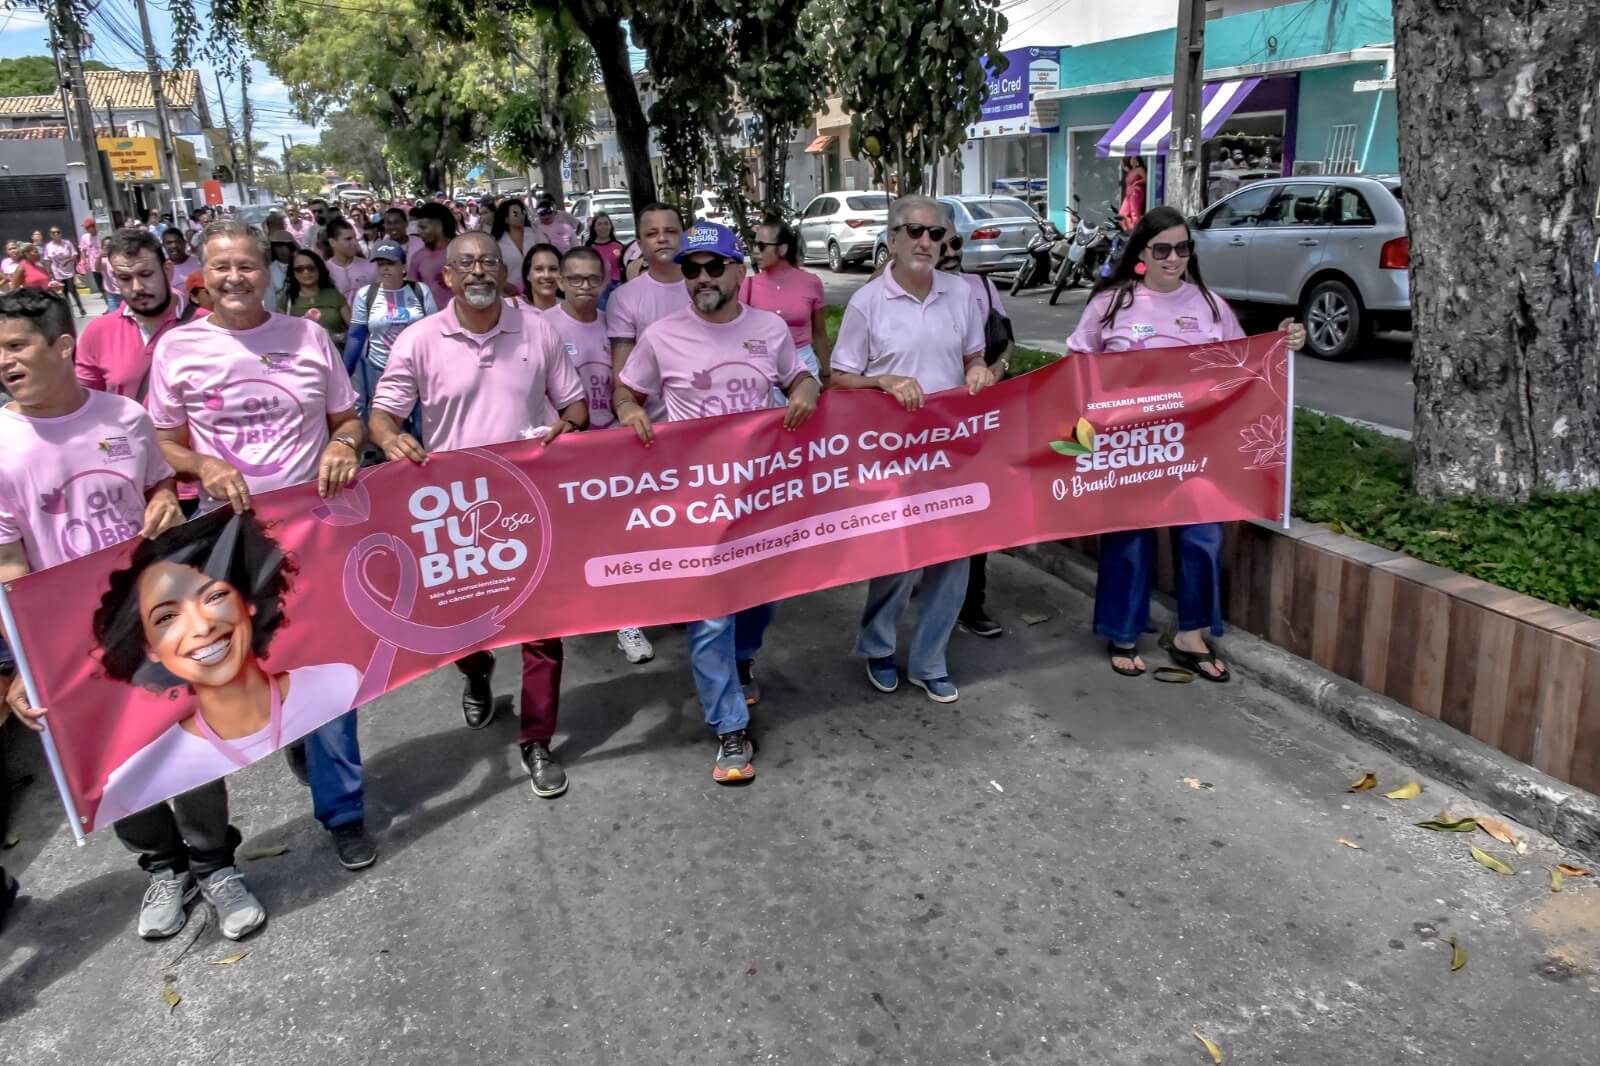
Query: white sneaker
x=635, y=646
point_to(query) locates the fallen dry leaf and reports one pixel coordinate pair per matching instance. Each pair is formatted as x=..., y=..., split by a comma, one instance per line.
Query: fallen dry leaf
x=1458, y=954
x=1557, y=883
x=1347, y=842
x=170, y=997
x=1366, y=781
x=230, y=960
x=1033, y=618
x=1408, y=791
x=1439, y=825
x=1211, y=1046
x=11, y=841
x=1196, y=783
x=269, y=851
x=1490, y=861
x=1570, y=870
x=1497, y=829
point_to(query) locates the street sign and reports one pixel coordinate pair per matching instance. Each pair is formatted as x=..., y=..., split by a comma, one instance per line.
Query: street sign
x=132, y=158
x=213, y=192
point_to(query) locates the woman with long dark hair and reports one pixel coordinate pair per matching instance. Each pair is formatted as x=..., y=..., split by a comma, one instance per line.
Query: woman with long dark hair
x=1134, y=184
x=510, y=231
x=309, y=292
x=1168, y=306
x=793, y=294
x=541, y=276
x=603, y=239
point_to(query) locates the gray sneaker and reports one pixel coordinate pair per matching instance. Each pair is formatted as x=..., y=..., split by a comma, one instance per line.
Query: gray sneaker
x=239, y=913
x=162, y=912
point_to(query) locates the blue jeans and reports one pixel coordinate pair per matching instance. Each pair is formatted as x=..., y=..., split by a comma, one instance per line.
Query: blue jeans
x=716, y=647
x=333, y=763
x=808, y=356
x=944, y=587
x=1127, y=570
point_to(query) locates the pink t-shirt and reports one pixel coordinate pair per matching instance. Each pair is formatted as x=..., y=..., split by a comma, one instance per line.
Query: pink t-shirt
x=258, y=399
x=477, y=390
x=181, y=272
x=427, y=266
x=886, y=330
x=713, y=368
x=589, y=351
x=62, y=257
x=637, y=303
x=557, y=231
x=75, y=484
x=351, y=279
x=611, y=255
x=113, y=354
x=793, y=295
x=88, y=252
x=1154, y=320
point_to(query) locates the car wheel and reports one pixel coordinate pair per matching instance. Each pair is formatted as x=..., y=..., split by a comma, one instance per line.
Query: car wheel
x=835, y=260
x=881, y=258
x=1334, y=319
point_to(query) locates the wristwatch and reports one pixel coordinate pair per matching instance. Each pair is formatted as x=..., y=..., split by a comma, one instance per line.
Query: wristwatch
x=348, y=441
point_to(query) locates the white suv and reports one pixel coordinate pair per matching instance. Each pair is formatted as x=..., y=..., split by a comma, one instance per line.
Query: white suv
x=841, y=227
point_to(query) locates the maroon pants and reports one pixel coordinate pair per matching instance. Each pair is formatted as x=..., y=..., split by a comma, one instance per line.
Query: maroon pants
x=541, y=686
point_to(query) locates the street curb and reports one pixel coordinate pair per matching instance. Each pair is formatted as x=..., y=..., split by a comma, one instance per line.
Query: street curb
x=1563, y=812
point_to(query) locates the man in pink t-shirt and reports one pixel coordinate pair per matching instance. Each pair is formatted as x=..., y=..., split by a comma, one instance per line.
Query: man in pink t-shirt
x=81, y=471
x=718, y=357
x=436, y=228
x=557, y=229
x=115, y=350
x=486, y=371
x=909, y=332
x=248, y=401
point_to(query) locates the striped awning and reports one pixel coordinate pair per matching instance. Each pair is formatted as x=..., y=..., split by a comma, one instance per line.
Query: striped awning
x=1146, y=127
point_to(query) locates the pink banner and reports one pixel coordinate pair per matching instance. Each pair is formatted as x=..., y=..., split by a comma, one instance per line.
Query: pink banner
x=264, y=627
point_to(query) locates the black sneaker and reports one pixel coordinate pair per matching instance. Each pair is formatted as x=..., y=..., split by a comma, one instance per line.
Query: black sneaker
x=544, y=773
x=979, y=624
x=295, y=755
x=735, y=759
x=477, y=699
x=356, y=849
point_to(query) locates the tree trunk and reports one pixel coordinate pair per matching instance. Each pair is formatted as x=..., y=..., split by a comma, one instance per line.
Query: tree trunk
x=550, y=177
x=1497, y=121
x=602, y=26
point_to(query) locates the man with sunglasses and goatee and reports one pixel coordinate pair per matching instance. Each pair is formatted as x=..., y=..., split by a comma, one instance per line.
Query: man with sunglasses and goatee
x=910, y=332
x=717, y=357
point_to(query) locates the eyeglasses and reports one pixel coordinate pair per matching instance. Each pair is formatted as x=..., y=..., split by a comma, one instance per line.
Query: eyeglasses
x=714, y=269
x=581, y=281
x=472, y=264
x=1184, y=250
x=915, y=231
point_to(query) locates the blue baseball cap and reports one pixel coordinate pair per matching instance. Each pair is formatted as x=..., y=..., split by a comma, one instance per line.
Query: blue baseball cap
x=389, y=250
x=711, y=237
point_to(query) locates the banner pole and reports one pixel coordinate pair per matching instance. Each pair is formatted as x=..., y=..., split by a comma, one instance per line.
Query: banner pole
x=1288, y=436
x=14, y=636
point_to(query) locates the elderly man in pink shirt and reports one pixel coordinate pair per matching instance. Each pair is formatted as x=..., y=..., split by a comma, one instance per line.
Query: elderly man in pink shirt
x=486, y=372
x=115, y=350
x=718, y=357
x=909, y=332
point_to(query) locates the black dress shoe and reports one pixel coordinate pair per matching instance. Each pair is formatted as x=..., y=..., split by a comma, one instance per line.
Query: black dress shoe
x=8, y=892
x=477, y=699
x=544, y=773
x=356, y=849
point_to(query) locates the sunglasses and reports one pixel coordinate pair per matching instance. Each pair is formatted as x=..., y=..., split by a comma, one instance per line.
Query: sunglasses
x=768, y=244
x=1183, y=249
x=915, y=231
x=714, y=269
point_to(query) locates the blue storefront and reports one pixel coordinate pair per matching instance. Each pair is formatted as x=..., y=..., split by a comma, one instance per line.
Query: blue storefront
x=1295, y=89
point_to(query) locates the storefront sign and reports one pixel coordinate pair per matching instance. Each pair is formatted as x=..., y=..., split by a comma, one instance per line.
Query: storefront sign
x=133, y=158
x=1009, y=107
x=315, y=607
x=213, y=192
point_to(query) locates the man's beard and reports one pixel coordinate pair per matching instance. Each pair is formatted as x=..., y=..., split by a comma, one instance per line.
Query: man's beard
x=711, y=300
x=159, y=310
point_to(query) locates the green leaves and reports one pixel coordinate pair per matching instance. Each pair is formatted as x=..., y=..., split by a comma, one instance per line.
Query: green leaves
x=1459, y=825
x=1491, y=862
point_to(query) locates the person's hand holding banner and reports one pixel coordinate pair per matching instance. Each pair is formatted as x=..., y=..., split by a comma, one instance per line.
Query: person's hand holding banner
x=405, y=446
x=161, y=513
x=802, y=403
x=339, y=465
x=632, y=415
x=17, y=701
x=979, y=377
x=223, y=482
x=906, y=390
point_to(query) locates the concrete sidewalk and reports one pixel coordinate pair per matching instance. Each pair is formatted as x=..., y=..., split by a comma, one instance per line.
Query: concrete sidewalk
x=1023, y=877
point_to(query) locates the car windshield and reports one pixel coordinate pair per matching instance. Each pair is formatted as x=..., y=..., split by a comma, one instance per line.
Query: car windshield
x=998, y=207
x=878, y=202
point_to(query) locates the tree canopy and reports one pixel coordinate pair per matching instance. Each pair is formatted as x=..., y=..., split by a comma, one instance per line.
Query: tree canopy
x=34, y=75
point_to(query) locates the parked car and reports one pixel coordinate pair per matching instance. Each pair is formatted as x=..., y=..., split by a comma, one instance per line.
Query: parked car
x=256, y=214
x=995, y=231
x=707, y=205
x=841, y=227
x=613, y=202
x=1334, y=247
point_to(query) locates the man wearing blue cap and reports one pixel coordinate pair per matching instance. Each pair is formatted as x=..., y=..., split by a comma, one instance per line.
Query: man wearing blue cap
x=717, y=357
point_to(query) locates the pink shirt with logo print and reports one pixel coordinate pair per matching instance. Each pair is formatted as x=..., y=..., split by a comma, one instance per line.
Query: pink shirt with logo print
x=75, y=484
x=258, y=399
x=588, y=350
x=703, y=368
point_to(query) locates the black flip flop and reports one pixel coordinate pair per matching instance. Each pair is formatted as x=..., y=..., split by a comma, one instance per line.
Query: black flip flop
x=1116, y=653
x=1191, y=661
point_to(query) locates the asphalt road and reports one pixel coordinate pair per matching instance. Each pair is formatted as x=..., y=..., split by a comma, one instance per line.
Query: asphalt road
x=1024, y=877
x=1374, y=387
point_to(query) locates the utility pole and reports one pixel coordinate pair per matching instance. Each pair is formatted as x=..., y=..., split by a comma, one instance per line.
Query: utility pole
x=249, y=146
x=61, y=81
x=180, y=209
x=233, y=153
x=1188, y=72
x=288, y=171
x=100, y=186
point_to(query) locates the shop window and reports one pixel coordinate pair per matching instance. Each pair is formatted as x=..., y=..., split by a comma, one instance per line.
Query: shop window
x=1247, y=148
x=1018, y=166
x=1095, y=180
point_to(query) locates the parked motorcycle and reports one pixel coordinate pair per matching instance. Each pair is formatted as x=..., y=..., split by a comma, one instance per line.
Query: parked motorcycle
x=1090, y=252
x=1039, y=265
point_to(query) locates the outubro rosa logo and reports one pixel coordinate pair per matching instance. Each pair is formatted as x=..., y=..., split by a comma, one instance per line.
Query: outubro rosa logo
x=95, y=509
x=732, y=387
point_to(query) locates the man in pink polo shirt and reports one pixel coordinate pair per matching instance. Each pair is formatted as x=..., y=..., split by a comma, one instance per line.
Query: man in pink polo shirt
x=718, y=357
x=115, y=349
x=486, y=372
x=909, y=332
x=657, y=292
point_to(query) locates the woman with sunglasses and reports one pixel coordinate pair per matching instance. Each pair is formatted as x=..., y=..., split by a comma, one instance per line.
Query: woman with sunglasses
x=310, y=293
x=1155, y=298
x=793, y=294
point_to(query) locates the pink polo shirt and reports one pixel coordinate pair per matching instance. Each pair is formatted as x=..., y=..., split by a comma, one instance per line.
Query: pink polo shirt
x=113, y=353
x=713, y=368
x=888, y=331
x=585, y=346
x=351, y=279
x=75, y=484
x=1154, y=320
x=792, y=294
x=258, y=399
x=427, y=266
x=477, y=390
x=637, y=303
